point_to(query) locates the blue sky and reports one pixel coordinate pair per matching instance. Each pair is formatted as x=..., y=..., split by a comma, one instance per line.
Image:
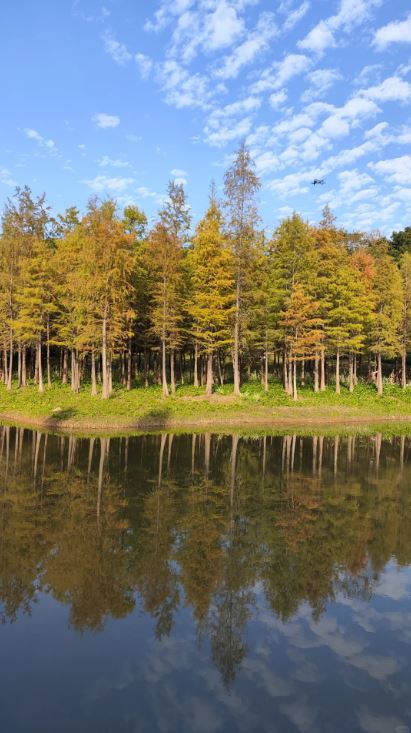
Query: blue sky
x=117, y=98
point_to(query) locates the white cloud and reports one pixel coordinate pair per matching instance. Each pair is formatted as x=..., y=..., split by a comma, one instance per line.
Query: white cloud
x=320, y=81
x=227, y=133
x=222, y=26
x=144, y=64
x=279, y=73
x=103, y=120
x=395, y=170
x=6, y=178
x=351, y=13
x=118, y=51
x=105, y=161
x=318, y=39
x=295, y=16
x=392, y=89
x=266, y=162
x=398, y=31
x=183, y=89
x=276, y=99
x=99, y=184
x=179, y=175
x=43, y=142
x=255, y=43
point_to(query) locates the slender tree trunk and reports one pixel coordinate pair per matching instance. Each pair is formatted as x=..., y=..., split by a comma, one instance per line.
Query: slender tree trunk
x=19, y=365
x=122, y=370
x=65, y=367
x=290, y=375
x=5, y=365
x=74, y=371
x=146, y=365
x=236, y=346
x=164, y=368
x=93, y=373
x=303, y=373
x=351, y=372
x=354, y=370
x=316, y=373
x=322, y=369
x=110, y=371
x=337, y=372
x=172, y=372
x=39, y=366
x=404, y=367
x=266, y=369
x=48, y=353
x=209, y=387
x=285, y=372
x=105, y=387
x=10, y=370
x=294, y=373
x=129, y=364
x=380, y=388
x=195, y=363
x=23, y=367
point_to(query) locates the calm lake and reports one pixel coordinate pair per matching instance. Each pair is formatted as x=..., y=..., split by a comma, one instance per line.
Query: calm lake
x=205, y=583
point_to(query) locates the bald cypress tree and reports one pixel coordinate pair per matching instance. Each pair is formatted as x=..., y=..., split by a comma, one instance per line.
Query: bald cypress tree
x=211, y=304
x=240, y=187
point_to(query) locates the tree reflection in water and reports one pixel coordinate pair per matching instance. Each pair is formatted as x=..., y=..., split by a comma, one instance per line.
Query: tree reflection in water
x=167, y=522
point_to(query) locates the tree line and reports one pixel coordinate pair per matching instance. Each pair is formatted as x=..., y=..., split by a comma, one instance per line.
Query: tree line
x=103, y=297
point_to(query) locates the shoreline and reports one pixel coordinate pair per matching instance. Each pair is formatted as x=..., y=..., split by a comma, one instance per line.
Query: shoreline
x=212, y=423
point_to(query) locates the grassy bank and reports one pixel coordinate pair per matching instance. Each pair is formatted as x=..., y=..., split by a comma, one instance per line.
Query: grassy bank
x=146, y=408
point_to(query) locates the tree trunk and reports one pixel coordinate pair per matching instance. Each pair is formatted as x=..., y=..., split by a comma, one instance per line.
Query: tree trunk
x=337, y=372
x=404, y=368
x=209, y=387
x=351, y=372
x=164, y=368
x=172, y=372
x=74, y=371
x=303, y=373
x=322, y=370
x=23, y=367
x=65, y=367
x=10, y=371
x=316, y=373
x=93, y=373
x=48, y=353
x=380, y=388
x=236, y=347
x=105, y=387
x=294, y=372
x=129, y=364
x=285, y=372
x=19, y=366
x=266, y=369
x=195, y=363
x=39, y=366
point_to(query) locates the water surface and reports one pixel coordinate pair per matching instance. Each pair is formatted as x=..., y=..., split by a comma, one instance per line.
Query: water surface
x=204, y=583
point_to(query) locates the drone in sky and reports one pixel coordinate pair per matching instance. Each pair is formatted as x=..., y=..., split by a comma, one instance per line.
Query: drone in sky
x=318, y=182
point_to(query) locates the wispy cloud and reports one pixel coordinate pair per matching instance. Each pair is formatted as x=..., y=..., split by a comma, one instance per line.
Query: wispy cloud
x=351, y=13
x=118, y=51
x=256, y=42
x=6, y=178
x=398, y=31
x=103, y=120
x=105, y=161
x=100, y=184
x=43, y=142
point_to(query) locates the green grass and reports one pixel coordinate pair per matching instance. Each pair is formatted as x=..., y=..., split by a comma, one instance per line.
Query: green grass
x=141, y=406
